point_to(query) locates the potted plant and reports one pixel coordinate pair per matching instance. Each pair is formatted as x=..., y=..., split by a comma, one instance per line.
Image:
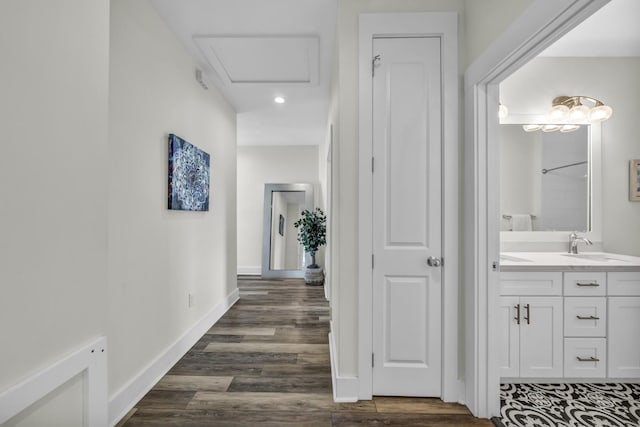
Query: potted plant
x=312, y=232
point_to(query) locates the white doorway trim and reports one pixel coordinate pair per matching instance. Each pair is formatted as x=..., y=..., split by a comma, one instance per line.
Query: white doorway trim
x=443, y=25
x=538, y=27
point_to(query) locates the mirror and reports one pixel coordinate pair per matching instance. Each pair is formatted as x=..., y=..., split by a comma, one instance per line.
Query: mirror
x=545, y=180
x=282, y=255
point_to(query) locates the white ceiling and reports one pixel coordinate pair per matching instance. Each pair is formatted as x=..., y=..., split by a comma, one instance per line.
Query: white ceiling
x=255, y=50
x=611, y=31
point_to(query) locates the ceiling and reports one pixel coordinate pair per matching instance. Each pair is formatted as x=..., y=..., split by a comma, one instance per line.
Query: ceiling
x=611, y=31
x=255, y=50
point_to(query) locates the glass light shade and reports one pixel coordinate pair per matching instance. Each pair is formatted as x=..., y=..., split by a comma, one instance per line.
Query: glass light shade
x=579, y=113
x=558, y=113
x=503, y=112
x=531, y=128
x=550, y=128
x=569, y=128
x=600, y=113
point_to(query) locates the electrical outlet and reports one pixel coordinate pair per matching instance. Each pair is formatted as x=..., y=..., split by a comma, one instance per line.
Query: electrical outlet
x=191, y=300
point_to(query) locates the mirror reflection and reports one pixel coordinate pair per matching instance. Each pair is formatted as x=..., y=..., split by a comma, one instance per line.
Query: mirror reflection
x=286, y=252
x=282, y=255
x=544, y=178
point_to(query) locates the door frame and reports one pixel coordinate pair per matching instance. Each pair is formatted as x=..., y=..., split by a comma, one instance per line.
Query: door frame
x=541, y=24
x=445, y=26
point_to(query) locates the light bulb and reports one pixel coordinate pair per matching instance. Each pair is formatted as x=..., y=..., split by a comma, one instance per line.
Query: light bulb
x=578, y=113
x=278, y=100
x=569, y=128
x=600, y=113
x=550, y=128
x=531, y=128
x=558, y=113
x=503, y=112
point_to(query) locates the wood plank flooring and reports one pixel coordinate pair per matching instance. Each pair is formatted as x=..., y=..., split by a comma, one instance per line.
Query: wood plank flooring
x=266, y=363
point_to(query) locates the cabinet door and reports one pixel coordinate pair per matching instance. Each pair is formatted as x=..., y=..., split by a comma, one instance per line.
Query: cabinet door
x=509, y=336
x=541, y=338
x=624, y=337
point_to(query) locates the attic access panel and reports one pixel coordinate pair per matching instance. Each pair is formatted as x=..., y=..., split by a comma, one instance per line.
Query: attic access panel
x=248, y=60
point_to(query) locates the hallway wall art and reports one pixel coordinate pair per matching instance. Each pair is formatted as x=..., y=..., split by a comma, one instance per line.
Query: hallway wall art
x=189, y=174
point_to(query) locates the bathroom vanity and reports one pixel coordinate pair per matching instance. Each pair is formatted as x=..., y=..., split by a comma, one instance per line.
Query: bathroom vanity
x=569, y=317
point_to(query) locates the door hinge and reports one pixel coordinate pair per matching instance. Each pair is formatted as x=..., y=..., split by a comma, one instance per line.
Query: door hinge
x=373, y=65
x=372, y=262
x=372, y=360
x=495, y=265
x=372, y=165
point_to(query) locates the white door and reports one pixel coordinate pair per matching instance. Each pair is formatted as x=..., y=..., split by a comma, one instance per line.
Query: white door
x=541, y=337
x=407, y=223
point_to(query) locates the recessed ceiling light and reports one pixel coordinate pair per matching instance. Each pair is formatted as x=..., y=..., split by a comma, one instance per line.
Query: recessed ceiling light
x=278, y=100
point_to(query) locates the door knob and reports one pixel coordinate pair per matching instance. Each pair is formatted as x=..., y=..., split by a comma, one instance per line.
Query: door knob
x=433, y=261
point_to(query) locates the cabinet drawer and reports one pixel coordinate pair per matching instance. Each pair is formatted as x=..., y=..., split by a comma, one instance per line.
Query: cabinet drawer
x=585, y=357
x=582, y=284
x=530, y=283
x=585, y=316
x=624, y=283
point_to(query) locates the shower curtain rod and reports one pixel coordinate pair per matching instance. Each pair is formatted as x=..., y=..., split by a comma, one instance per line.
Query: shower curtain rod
x=565, y=166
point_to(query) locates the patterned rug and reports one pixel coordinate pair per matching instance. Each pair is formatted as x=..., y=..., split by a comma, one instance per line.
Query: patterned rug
x=570, y=405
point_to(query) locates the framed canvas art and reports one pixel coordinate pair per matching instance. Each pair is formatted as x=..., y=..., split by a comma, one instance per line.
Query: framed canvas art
x=188, y=176
x=634, y=180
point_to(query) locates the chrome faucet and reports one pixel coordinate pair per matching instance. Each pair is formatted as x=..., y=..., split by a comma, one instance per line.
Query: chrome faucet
x=573, y=242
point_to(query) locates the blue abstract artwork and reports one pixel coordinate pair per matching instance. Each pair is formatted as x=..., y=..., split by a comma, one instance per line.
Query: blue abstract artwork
x=188, y=176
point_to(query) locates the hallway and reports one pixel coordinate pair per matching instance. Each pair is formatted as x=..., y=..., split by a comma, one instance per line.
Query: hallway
x=266, y=362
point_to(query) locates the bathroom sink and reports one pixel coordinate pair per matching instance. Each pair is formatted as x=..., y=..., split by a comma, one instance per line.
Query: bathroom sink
x=513, y=258
x=593, y=257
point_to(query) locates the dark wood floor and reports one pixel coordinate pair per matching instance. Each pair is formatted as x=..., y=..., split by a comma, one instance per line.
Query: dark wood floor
x=266, y=363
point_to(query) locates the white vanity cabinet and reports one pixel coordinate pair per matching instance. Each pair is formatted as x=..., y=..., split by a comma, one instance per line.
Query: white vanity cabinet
x=576, y=325
x=531, y=326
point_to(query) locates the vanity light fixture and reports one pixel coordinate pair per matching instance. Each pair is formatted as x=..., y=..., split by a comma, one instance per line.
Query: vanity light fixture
x=572, y=109
x=568, y=112
x=278, y=100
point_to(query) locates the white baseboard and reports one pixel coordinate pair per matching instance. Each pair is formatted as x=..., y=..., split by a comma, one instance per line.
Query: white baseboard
x=345, y=389
x=124, y=399
x=249, y=271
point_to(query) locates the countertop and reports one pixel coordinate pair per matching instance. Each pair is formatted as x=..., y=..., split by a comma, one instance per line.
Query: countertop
x=561, y=261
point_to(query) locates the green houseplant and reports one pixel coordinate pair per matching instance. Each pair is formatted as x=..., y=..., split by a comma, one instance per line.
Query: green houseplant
x=312, y=233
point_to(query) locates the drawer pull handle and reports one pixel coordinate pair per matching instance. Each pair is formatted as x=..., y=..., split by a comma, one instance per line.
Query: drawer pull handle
x=582, y=285
x=587, y=359
x=588, y=317
x=517, y=318
x=527, y=316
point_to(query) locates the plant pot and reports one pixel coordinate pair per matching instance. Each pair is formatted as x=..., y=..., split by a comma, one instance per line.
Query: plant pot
x=313, y=276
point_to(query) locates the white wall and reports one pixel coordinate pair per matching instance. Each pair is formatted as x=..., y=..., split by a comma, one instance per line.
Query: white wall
x=259, y=165
x=485, y=20
x=53, y=244
x=156, y=256
x=613, y=80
